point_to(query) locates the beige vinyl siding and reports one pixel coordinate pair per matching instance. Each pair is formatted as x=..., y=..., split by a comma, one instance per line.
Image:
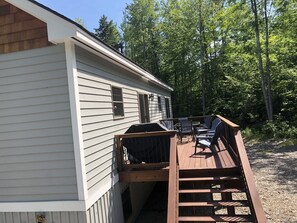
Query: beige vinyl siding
x=96, y=78
x=155, y=113
x=36, y=148
x=50, y=217
x=99, y=126
x=108, y=209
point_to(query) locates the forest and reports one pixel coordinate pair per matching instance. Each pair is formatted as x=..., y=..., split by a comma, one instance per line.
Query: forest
x=237, y=58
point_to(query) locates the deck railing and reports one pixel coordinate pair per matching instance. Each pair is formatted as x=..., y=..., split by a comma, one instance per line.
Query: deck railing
x=176, y=120
x=232, y=137
x=152, y=147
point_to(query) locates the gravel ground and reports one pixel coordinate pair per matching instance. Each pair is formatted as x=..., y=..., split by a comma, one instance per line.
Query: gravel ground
x=275, y=172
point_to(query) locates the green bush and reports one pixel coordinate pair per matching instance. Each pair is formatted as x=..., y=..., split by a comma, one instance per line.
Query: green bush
x=278, y=129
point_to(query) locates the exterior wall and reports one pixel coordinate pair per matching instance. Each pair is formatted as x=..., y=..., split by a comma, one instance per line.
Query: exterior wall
x=155, y=113
x=19, y=30
x=36, y=148
x=95, y=78
x=50, y=217
x=108, y=209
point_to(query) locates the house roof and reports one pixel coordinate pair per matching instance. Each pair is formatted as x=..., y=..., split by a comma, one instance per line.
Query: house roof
x=60, y=29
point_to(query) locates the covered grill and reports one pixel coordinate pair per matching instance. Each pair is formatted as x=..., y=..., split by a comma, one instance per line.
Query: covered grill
x=149, y=149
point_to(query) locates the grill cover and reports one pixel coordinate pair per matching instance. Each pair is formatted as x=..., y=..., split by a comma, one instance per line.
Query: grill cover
x=152, y=149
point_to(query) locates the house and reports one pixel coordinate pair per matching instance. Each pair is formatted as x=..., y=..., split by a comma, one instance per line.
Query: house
x=63, y=96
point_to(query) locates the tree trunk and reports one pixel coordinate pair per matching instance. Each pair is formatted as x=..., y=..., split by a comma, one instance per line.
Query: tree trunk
x=202, y=66
x=259, y=54
x=268, y=79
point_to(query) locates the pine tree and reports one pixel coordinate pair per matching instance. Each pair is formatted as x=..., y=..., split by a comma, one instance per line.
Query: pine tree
x=108, y=33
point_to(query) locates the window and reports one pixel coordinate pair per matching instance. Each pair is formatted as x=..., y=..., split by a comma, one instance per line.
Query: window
x=159, y=103
x=144, y=108
x=117, y=102
x=167, y=105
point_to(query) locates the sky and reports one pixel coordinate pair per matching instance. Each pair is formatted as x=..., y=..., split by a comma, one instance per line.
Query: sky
x=89, y=11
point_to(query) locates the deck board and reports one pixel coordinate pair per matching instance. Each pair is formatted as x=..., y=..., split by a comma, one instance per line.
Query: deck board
x=203, y=159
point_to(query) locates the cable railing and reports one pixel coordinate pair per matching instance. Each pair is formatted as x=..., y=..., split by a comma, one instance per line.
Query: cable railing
x=143, y=150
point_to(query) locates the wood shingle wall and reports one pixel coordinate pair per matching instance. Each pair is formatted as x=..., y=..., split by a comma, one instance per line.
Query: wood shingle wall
x=20, y=31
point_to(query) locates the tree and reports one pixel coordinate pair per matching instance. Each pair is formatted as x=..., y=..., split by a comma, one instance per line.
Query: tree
x=80, y=21
x=212, y=52
x=141, y=34
x=265, y=76
x=108, y=33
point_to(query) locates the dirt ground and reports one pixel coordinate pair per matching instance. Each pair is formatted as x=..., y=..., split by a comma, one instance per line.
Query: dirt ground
x=275, y=172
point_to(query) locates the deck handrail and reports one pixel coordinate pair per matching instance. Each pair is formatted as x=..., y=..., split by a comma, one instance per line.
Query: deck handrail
x=246, y=169
x=145, y=134
x=229, y=123
x=234, y=139
x=190, y=117
x=172, y=209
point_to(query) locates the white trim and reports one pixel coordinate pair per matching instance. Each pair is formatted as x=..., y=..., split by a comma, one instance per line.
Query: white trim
x=103, y=190
x=42, y=206
x=76, y=121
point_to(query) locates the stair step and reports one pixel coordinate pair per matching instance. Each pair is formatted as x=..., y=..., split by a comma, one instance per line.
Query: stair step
x=216, y=190
x=214, y=204
x=209, y=179
x=215, y=218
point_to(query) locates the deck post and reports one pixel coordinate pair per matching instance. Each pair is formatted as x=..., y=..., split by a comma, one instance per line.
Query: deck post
x=119, y=152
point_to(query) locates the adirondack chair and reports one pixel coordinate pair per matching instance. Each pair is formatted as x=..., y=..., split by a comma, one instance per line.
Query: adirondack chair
x=211, y=130
x=209, y=140
x=168, y=124
x=185, y=127
x=206, y=123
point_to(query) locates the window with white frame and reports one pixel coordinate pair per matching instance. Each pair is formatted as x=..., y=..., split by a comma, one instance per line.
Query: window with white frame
x=117, y=102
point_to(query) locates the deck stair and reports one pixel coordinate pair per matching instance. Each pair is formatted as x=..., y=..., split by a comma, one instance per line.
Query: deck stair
x=212, y=199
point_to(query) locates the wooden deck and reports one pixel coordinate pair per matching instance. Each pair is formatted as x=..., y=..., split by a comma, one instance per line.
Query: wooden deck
x=203, y=159
x=194, y=179
x=202, y=162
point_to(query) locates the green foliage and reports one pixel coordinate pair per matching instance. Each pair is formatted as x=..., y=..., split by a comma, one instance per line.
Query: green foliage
x=278, y=130
x=80, y=21
x=206, y=50
x=141, y=34
x=108, y=32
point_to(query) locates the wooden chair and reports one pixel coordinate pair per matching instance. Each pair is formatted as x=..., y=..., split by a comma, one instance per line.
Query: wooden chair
x=209, y=140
